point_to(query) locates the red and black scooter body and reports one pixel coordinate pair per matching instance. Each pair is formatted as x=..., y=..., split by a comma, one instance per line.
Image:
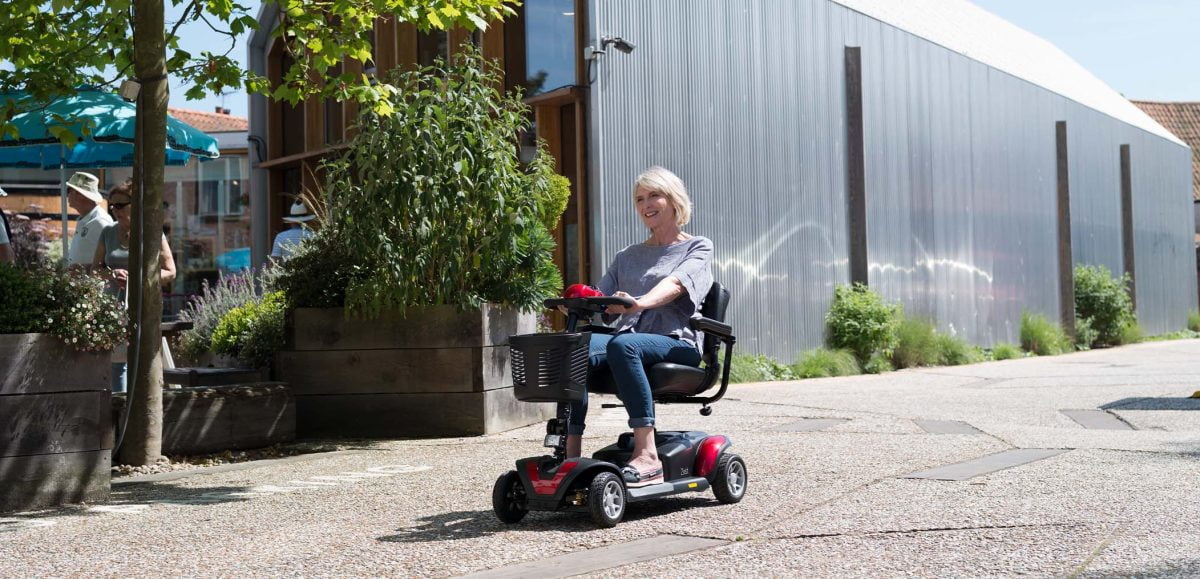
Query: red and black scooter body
x=689, y=465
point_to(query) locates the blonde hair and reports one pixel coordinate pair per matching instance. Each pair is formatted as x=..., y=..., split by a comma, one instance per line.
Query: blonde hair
x=664, y=181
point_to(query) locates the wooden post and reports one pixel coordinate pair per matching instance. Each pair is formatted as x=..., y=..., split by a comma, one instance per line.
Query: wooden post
x=856, y=198
x=1127, y=223
x=1066, y=267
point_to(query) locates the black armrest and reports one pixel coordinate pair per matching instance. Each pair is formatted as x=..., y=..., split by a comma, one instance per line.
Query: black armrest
x=596, y=329
x=711, y=326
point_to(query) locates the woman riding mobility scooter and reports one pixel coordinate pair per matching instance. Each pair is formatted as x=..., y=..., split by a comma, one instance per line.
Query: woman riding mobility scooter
x=554, y=368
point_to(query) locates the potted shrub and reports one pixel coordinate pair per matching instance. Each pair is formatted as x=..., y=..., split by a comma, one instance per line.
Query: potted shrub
x=57, y=328
x=435, y=250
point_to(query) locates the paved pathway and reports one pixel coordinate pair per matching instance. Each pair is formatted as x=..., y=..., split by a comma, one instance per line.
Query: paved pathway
x=1086, y=464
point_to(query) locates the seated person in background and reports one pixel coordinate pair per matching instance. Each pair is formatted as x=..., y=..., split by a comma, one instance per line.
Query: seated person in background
x=288, y=239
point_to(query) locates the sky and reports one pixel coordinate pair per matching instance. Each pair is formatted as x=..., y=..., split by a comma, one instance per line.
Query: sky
x=1145, y=49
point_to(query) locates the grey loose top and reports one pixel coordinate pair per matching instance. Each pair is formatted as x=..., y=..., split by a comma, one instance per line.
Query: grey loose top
x=115, y=256
x=640, y=267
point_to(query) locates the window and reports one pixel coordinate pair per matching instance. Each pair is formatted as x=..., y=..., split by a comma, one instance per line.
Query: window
x=333, y=114
x=549, y=45
x=291, y=119
x=431, y=46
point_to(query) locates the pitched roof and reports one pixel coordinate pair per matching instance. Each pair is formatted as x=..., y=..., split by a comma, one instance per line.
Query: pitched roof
x=210, y=122
x=1183, y=119
x=967, y=29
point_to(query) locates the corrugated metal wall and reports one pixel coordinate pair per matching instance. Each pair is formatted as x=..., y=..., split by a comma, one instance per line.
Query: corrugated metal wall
x=745, y=101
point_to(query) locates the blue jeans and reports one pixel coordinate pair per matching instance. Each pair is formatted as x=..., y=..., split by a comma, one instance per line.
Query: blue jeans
x=118, y=377
x=627, y=356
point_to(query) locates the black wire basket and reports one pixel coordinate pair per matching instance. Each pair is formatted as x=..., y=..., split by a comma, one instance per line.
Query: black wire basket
x=550, y=367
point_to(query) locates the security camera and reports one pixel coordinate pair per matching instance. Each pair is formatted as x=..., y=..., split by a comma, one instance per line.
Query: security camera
x=619, y=43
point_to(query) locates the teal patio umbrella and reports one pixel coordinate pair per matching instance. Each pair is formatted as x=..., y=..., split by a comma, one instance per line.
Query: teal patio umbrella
x=113, y=124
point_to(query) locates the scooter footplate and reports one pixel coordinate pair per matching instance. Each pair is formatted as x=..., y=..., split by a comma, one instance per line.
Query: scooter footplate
x=684, y=485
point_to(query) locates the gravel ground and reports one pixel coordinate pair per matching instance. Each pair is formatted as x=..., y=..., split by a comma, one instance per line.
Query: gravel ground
x=826, y=503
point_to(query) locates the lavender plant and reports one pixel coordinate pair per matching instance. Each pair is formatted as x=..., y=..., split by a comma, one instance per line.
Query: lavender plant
x=206, y=310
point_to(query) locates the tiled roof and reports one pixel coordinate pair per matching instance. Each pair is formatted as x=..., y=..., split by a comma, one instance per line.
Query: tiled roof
x=1182, y=119
x=210, y=122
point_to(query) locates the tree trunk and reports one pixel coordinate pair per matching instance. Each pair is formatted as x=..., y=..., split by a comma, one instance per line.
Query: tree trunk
x=143, y=437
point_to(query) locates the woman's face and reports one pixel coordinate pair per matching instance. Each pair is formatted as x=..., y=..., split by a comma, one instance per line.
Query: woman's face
x=654, y=208
x=120, y=210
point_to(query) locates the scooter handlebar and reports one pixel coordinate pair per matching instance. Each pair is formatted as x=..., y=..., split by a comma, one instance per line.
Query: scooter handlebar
x=596, y=304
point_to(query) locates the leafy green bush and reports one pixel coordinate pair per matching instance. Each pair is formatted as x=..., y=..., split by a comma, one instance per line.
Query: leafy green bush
x=319, y=271
x=23, y=306
x=68, y=304
x=1085, y=334
x=1179, y=335
x=208, y=308
x=433, y=200
x=1005, y=352
x=1194, y=321
x=860, y=321
x=953, y=351
x=916, y=344
x=1104, y=301
x=1131, y=333
x=919, y=344
x=878, y=364
x=824, y=363
x=551, y=190
x=757, y=368
x=254, y=331
x=1042, y=337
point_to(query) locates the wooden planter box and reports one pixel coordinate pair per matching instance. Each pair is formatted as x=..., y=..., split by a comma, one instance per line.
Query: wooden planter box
x=436, y=372
x=204, y=419
x=55, y=436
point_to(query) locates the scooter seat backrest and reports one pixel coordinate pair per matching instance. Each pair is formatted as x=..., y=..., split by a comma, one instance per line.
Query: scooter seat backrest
x=714, y=306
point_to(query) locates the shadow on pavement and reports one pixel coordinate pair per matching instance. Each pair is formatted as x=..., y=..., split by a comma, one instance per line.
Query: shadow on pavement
x=1154, y=404
x=125, y=502
x=472, y=524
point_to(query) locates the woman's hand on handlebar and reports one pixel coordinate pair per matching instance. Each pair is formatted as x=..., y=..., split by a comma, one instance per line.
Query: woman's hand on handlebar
x=615, y=309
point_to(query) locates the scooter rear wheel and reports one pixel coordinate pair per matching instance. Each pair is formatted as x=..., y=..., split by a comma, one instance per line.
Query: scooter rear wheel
x=607, y=499
x=508, y=498
x=729, y=485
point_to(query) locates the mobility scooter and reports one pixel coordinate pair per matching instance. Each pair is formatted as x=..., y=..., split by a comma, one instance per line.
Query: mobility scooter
x=554, y=368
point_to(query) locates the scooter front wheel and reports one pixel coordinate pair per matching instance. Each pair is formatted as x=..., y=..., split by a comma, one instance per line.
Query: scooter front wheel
x=729, y=484
x=607, y=499
x=508, y=498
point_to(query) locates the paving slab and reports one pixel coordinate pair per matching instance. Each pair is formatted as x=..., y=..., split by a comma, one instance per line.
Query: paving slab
x=1096, y=420
x=946, y=427
x=970, y=469
x=809, y=424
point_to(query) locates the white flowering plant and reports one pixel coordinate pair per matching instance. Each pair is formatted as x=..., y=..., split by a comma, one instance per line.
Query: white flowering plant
x=69, y=304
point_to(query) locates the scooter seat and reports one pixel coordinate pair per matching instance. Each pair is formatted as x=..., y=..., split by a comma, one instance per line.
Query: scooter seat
x=666, y=379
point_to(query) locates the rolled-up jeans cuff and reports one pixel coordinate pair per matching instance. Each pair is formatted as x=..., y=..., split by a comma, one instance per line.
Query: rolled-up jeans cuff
x=641, y=422
x=575, y=429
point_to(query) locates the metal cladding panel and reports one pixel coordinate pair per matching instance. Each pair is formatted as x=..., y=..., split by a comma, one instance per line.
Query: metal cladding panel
x=1165, y=258
x=745, y=100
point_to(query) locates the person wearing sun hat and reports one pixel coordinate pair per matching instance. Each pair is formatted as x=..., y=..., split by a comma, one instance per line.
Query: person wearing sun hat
x=288, y=239
x=83, y=194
